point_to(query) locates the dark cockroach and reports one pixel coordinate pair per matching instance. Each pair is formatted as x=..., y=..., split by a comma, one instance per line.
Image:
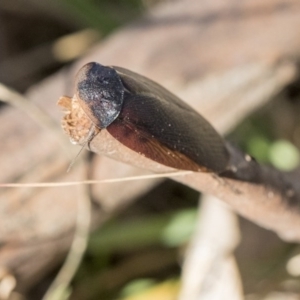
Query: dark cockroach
x=148, y=119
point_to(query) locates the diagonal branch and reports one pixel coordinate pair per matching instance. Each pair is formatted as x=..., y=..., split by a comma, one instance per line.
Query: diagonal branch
x=264, y=195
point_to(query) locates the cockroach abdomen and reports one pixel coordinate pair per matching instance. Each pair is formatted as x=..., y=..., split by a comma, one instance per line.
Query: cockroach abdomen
x=100, y=93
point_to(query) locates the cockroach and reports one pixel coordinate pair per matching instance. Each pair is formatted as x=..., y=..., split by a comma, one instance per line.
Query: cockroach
x=147, y=118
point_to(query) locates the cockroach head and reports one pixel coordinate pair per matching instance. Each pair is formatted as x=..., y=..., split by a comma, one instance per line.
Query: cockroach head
x=100, y=93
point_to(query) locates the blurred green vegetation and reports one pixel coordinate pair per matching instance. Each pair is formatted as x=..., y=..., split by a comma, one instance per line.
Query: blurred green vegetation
x=104, y=15
x=260, y=136
x=148, y=290
x=170, y=229
x=120, y=240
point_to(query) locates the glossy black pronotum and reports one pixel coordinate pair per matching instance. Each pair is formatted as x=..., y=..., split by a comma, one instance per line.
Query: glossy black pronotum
x=148, y=119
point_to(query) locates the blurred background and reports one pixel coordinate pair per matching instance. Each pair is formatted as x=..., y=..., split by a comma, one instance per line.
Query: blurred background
x=139, y=251
x=39, y=37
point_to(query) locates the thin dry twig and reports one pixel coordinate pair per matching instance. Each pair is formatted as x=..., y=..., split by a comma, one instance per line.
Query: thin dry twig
x=264, y=195
x=84, y=182
x=60, y=286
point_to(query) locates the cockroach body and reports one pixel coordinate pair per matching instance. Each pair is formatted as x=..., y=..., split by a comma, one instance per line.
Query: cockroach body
x=148, y=119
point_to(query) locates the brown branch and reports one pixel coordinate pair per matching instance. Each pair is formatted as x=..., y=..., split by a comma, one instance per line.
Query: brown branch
x=264, y=195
